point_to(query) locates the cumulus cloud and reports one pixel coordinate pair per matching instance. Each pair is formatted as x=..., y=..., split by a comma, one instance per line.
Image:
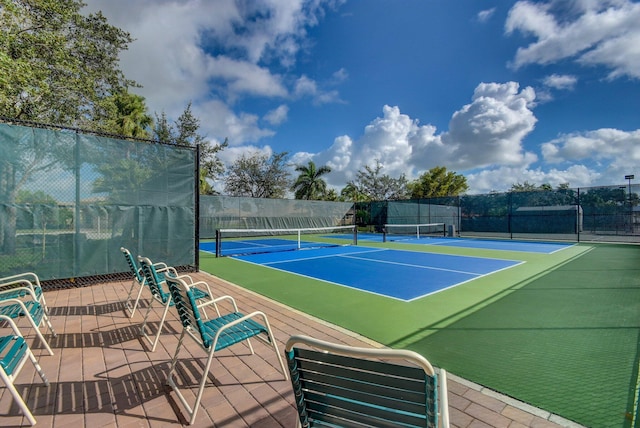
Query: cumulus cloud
x=196, y=51
x=240, y=128
x=488, y=131
x=620, y=149
x=502, y=178
x=597, y=33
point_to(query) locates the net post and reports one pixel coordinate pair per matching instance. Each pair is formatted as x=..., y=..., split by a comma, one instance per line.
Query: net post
x=444, y=229
x=384, y=233
x=218, y=243
x=355, y=235
x=299, y=233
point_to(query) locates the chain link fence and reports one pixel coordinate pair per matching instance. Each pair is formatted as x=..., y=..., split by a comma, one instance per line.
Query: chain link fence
x=606, y=213
x=70, y=199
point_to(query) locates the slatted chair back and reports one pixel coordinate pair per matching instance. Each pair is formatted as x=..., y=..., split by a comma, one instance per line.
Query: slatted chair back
x=154, y=280
x=186, y=305
x=135, y=270
x=22, y=285
x=31, y=310
x=339, y=385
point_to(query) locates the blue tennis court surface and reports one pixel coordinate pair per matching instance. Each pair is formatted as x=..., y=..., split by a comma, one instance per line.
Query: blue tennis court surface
x=403, y=275
x=485, y=244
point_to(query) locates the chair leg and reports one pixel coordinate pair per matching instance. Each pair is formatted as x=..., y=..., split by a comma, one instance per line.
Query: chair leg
x=143, y=332
x=203, y=382
x=8, y=381
x=273, y=344
x=132, y=309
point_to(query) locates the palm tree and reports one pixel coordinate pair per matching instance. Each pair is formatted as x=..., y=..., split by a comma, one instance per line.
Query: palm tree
x=310, y=185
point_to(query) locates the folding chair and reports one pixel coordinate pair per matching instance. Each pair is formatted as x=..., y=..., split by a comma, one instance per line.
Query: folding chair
x=344, y=386
x=28, y=307
x=139, y=279
x=14, y=353
x=215, y=334
x=154, y=279
x=22, y=284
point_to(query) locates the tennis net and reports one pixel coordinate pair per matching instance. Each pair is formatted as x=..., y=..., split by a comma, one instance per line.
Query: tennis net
x=233, y=242
x=400, y=232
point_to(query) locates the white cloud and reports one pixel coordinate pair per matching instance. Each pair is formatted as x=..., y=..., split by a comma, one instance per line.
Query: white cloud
x=597, y=33
x=561, y=82
x=196, y=51
x=306, y=87
x=485, y=15
x=490, y=130
x=616, y=147
x=238, y=128
x=277, y=115
x=501, y=179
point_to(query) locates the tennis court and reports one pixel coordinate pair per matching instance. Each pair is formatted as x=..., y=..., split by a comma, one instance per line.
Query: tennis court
x=543, y=247
x=556, y=329
x=399, y=274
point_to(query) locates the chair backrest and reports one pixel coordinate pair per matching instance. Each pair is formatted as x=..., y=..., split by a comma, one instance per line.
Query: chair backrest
x=350, y=386
x=185, y=303
x=154, y=279
x=137, y=273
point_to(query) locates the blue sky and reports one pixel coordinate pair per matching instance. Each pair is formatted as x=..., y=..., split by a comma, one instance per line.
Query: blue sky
x=500, y=91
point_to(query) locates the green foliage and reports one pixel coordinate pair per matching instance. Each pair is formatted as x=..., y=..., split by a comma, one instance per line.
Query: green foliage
x=130, y=118
x=310, y=185
x=258, y=176
x=438, y=182
x=372, y=185
x=58, y=66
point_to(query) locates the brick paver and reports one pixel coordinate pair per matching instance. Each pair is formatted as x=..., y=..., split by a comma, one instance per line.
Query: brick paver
x=102, y=373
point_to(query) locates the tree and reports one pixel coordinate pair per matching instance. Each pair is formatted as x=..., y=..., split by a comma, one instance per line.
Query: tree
x=379, y=187
x=185, y=132
x=310, y=185
x=131, y=118
x=258, y=176
x=352, y=193
x=438, y=182
x=58, y=66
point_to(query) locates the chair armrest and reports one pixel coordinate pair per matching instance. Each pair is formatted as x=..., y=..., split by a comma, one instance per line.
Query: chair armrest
x=218, y=300
x=32, y=275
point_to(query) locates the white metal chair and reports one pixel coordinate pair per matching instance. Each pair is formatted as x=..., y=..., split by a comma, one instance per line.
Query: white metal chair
x=139, y=279
x=14, y=353
x=21, y=285
x=155, y=279
x=214, y=334
x=344, y=386
x=28, y=307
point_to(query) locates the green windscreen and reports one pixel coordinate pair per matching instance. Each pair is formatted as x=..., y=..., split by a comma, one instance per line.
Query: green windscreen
x=69, y=200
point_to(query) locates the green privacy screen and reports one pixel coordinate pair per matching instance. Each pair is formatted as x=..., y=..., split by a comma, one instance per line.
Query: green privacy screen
x=606, y=213
x=227, y=212
x=69, y=200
